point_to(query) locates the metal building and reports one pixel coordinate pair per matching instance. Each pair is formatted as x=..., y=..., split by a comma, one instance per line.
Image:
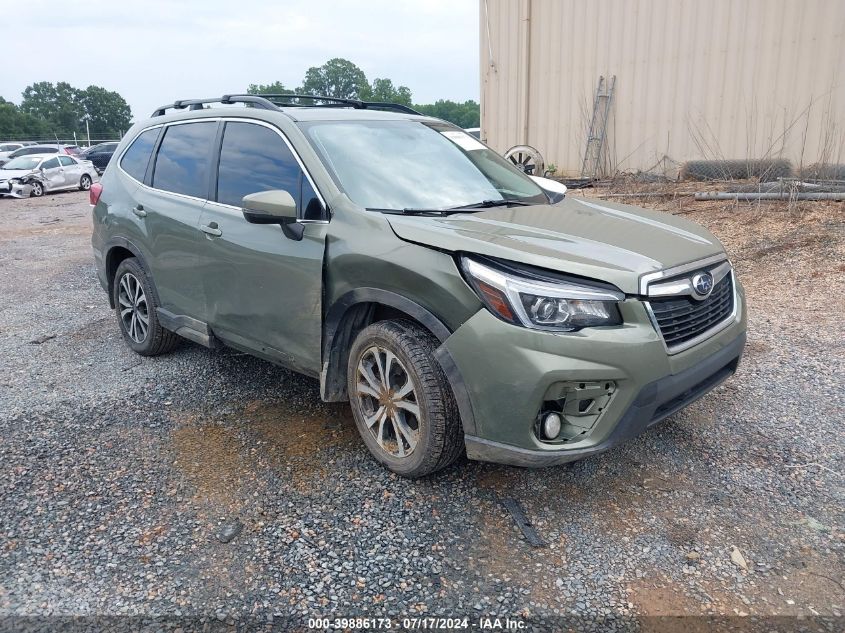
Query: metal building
x=695, y=79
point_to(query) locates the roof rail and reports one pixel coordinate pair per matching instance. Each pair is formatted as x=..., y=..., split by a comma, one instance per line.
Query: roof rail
x=197, y=104
x=289, y=101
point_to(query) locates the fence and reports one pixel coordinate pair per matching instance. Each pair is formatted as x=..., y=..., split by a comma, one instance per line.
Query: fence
x=63, y=139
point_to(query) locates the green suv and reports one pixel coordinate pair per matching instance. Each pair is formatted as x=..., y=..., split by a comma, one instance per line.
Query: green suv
x=458, y=304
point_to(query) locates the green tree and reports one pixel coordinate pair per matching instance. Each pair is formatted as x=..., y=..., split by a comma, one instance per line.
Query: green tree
x=384, y=90
x=57, y=104
x=66, y=109
x=338, y=78
x=105, y=111
x=466, y=114
x=277, y=87
x=15, y=124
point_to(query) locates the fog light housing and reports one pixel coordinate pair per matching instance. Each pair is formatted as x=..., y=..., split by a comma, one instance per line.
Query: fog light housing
x=552, y=424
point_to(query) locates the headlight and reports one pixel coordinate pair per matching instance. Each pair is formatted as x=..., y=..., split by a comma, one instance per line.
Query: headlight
x=558, y=306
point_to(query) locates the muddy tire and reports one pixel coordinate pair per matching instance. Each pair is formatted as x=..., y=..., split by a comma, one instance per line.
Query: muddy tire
x=401, y=400
x=135, y=306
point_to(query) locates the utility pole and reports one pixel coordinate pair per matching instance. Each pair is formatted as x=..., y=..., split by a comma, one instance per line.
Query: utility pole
x=88, y=132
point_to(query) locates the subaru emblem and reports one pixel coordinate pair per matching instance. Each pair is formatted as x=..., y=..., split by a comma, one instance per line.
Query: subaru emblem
x=702, y=283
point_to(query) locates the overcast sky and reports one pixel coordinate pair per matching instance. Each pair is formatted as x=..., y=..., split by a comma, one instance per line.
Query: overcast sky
x=155, y=51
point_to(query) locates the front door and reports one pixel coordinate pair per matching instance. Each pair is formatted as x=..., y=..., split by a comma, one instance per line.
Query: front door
x=263, y=290
x=52, y=175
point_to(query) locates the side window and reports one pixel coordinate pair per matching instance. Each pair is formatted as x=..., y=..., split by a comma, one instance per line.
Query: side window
x=135, y=159
x=312, y=208
x=254, y=158
x=66, y=161
x=183, y=159
x=53, y=163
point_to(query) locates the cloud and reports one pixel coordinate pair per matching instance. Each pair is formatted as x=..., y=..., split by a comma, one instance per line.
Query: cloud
x=155, y=51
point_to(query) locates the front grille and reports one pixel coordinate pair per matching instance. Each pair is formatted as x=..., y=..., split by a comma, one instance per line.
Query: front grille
x=681, y=319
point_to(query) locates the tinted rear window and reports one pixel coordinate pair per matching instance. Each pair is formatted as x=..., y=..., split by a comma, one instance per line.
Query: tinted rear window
x=254, y=158
x=183, y=159
x=134, y=161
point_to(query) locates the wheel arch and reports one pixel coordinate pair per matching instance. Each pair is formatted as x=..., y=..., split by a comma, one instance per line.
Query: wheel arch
x=359, y=308
x=117, y=249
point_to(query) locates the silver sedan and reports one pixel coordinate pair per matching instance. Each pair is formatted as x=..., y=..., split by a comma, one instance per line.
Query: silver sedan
x=37, y=174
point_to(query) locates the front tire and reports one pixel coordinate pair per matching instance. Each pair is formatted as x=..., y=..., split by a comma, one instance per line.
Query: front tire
x=37, y=189
x=401, y=400
x=135, y=307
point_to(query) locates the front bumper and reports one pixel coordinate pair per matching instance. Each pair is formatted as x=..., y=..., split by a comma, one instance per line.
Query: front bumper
x=15, y=189
x=508, y=372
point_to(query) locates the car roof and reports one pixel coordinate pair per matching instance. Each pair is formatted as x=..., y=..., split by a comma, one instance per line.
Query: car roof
x=293, y=113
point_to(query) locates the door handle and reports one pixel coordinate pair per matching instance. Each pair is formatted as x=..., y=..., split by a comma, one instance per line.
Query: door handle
x=139, y=211
x=211, y=229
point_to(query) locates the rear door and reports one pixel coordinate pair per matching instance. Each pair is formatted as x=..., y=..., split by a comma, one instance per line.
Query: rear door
x=263, y=290
x=169, y=209
x=71, y=171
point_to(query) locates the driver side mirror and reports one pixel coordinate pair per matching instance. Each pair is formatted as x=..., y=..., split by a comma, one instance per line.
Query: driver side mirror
x=276, y=206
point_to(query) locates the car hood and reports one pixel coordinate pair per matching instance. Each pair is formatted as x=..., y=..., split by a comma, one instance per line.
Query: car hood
x=5, y=174
x=592, y=238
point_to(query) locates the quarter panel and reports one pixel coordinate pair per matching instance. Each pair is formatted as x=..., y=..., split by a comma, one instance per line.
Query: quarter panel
x=363, y=252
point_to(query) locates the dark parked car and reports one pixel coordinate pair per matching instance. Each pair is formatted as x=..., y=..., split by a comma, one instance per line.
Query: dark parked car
x=100, y=155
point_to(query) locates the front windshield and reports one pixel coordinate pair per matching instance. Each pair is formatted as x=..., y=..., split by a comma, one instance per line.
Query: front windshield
x=414, y=165
x=8, y=148
x=22, y=162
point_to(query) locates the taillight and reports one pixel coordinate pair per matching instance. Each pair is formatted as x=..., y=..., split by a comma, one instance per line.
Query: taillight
x=94, y=193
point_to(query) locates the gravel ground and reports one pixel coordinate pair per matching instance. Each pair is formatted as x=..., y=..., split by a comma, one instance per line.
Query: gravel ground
x=123, y=475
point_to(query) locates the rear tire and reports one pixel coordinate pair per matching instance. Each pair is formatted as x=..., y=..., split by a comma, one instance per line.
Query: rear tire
x=85, y=182
x=401, y=400
x=135, y=306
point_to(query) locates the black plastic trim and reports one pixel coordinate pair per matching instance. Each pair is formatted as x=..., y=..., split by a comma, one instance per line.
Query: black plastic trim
x=187, y=327
x=386, y=297
x=118, y=241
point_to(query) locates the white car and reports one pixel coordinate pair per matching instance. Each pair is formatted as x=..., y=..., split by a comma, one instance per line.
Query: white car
x=36, y=174
x=8, y=148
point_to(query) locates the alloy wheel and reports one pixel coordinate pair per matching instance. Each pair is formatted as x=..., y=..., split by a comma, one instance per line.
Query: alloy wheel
x=85, y=183
x=134, y=312
x=388, y=398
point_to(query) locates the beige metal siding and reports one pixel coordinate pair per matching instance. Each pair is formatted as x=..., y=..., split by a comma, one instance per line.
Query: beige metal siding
x=694, y=79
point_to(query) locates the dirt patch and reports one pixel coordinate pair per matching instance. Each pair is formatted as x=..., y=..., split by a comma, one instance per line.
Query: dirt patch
x=211, y=457
x=221, y=458
x=286, y=430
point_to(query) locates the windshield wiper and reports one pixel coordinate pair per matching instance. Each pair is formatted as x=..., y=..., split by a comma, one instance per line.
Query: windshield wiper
x=410, y=211
x=488, y=204
x=466, y=208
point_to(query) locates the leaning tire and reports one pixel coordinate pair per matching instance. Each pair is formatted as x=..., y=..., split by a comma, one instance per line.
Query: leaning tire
x=85, y=182
x=135, y=307
x=37, y=190
x=401, y=400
